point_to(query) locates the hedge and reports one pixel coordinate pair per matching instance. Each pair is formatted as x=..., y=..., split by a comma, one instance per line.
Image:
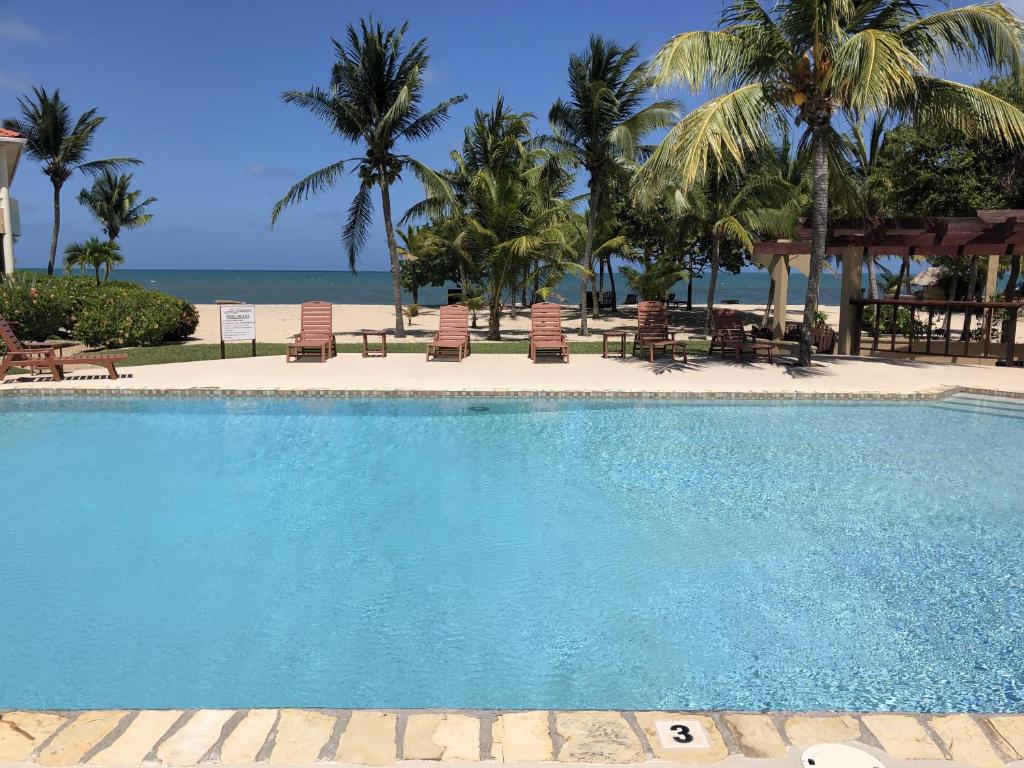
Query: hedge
x=116, y=314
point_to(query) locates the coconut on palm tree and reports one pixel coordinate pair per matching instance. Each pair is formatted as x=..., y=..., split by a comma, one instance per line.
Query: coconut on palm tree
x=602, y=123
x=373, y=99
x=61, y=144
x=114, y=204
x=817, y=62
x=93, y=254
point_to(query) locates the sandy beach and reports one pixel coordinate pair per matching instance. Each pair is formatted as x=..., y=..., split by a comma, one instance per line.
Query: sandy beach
x=276, y=323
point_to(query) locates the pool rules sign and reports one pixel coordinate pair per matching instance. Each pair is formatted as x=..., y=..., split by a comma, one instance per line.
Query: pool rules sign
x=237, y=323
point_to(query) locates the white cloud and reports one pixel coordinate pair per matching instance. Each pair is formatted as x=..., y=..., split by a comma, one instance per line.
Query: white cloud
x=11, y=81
x=269, y=171
x=16, y=28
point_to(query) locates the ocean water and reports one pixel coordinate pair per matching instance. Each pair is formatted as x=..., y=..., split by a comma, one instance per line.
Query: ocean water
x=267, y=287
x=511, y=554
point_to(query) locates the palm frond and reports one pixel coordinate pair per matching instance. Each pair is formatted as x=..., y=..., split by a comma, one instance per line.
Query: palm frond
x=967, y=109
x=313, y=184
x=729, y=127
x=357, y=225
x=870, y=69
x=702, y=60
x=984, y=32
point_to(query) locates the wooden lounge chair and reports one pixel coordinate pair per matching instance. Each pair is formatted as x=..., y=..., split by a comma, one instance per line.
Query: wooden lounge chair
x=546, y=331
x=729, y=335
x=652, y=331
x=316, y=332
x=32, y=355
x=452, y=332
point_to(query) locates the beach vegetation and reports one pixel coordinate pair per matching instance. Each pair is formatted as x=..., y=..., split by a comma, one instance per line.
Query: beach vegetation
x=817, y=65
x=600, y=128
x=373, y=99
x=111, y=314
x=114, y=204
x=61, y=143
x=503, y=207
x=93, y=254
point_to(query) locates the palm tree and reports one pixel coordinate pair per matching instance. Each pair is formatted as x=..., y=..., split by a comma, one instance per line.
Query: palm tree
x=604, y=121
x=815, y=61
x=114, y=204
x=61, y=144
x=374, y=100
x=732, y=205
x=94, y=253
x=503, y=206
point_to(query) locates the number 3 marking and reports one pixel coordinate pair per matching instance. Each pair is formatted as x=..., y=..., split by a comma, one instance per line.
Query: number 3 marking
x=683, y=735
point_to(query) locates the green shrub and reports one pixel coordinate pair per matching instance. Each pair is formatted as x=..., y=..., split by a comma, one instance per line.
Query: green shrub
x=119, y=317
x=35, y=311
x=904, y=321
x=114, y=314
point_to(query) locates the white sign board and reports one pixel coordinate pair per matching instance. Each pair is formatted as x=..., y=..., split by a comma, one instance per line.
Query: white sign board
x=681, y=734
x=237, y=322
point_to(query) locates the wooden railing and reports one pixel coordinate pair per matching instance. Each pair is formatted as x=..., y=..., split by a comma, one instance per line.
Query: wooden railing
x=1004, y=349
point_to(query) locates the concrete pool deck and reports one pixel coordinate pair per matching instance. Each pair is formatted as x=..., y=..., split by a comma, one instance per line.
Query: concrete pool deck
x=497, y=374
x=122, y=738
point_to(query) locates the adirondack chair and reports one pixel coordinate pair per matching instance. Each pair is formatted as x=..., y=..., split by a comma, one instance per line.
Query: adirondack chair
x=652, y=331
x=31, y=354
x=728, y=333
x=452, y=333
x=546, y=331
x=316, y=332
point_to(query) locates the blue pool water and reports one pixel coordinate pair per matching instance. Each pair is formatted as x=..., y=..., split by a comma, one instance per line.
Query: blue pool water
x=511, y=554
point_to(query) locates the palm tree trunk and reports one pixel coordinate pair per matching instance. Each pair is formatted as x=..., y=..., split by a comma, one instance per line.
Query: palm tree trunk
x=611, y=281
x=716, y=255
x=396, y=267
x=819, y=234
x=588, y=257
x=972, y=286
x=56, y=229
x=689, y=284
x=952, y=297
x=768, y=304
x=1008, y=294
x=97, y=267
x=494, y=318
x=904, y=268
x=872, y=278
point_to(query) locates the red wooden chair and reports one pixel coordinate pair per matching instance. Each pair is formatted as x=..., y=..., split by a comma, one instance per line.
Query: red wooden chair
x=652, y=331
x=32, y=354
x=546, y=331
x=316, y=332
x=452, y=332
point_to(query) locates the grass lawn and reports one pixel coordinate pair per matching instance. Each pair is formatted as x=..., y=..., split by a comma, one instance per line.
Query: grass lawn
x=184, y=353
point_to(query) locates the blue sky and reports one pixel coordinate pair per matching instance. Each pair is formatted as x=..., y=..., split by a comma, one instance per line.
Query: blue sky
x=193, y=89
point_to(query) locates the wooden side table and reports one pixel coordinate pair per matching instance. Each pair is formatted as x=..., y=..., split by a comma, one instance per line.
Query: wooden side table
x=620, y=335
x=382, y=350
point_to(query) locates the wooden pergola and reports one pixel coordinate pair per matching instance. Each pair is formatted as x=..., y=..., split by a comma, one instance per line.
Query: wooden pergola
x=989, y=234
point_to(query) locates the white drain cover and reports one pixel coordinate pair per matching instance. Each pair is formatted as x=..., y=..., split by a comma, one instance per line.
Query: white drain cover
x=838, y=756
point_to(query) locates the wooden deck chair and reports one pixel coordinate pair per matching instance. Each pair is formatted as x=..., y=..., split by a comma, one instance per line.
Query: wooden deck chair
x=652, y=331
x=452, y=332
x=729, y=335
x=31, y=354
x=546, y=331
x=316, y=332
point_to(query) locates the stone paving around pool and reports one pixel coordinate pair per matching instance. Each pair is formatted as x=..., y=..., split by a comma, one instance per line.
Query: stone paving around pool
x=119, y=738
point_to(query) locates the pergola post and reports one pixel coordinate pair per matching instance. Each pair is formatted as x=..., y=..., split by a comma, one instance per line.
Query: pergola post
x=991, y=275
x=852, y=260
x=780, y=297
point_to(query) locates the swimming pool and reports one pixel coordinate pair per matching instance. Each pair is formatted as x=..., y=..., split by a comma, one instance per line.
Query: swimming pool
x=172, y=552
